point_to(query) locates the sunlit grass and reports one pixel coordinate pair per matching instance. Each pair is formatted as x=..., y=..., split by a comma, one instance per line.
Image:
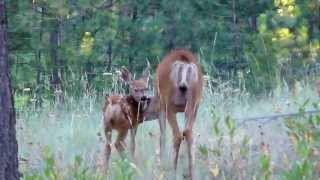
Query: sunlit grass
x=75, y=129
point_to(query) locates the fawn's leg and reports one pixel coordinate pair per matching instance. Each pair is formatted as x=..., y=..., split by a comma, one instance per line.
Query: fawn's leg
x=108, y=133
x=120, y=144
x=133, y=133
x=162, y=125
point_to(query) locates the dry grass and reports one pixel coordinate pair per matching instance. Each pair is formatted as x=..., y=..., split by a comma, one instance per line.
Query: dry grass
x=76, y=129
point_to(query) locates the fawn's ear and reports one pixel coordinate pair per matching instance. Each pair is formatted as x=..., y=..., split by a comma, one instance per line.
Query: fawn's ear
x=126, y=75
x=146, y=73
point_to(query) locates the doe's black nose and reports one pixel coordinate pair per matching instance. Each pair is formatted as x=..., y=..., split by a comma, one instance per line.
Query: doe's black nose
x=183, y=89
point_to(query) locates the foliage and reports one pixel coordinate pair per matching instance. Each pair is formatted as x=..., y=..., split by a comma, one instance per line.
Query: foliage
x=254, y=44
x=78, y=172
x=122, y=170
x=304, y=133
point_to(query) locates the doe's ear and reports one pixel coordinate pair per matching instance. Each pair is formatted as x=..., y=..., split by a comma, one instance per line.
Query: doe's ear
x=126, y=75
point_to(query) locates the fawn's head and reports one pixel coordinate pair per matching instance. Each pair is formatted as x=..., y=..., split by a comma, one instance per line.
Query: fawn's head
x=138, y=88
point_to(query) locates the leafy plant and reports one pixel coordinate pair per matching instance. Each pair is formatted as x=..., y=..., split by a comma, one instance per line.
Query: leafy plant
x=122, y=170
x=304, y=133
x=50, y=172
x=80, y=172
x=244, y=146
x=265, y=166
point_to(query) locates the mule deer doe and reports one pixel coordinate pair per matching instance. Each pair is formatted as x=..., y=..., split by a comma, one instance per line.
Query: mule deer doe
x=178, y=87
x=122, y=113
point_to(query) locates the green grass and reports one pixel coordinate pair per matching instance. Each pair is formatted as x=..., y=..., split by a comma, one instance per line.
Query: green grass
x=67, y=141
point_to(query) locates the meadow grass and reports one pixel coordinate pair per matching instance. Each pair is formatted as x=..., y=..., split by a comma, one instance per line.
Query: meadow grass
x=66, y=141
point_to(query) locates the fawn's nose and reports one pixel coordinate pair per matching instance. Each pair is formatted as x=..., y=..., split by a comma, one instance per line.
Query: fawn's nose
x=144, y=97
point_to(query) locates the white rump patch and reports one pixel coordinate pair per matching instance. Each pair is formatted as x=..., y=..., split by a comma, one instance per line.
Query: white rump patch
x=183, y=73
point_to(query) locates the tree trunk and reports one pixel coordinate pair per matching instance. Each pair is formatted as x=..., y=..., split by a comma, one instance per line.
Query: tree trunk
x=310, y=27
x=109, y=54
x=236, y=34
x=39, y=88
x=254, y=16
x=170, y=29
x=88, y=68
x=254, y=24
x=54, y=55
x=55, y=81
x=318, y=19
x=8, y=141
x=132, y=56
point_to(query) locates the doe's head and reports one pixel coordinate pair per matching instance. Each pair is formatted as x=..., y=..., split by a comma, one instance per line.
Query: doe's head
x=138, y=88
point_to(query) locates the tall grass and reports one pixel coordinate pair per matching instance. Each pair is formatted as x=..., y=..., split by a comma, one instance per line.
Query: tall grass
x=66, y=140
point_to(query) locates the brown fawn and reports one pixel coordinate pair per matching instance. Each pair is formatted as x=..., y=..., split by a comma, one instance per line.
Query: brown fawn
x=179, y=82
x=122, y=113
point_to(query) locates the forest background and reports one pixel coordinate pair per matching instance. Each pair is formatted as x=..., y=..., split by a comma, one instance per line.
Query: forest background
x=75, y=46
